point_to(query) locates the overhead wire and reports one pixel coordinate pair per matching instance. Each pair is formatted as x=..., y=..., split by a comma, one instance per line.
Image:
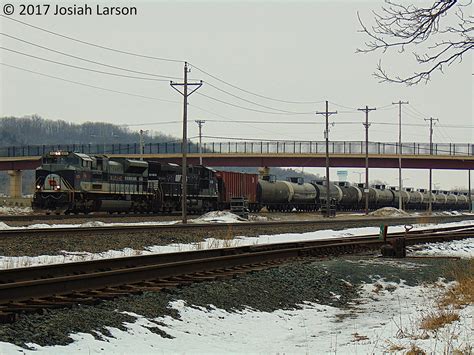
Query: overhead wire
x=88, y=85
x=414, y=110
x=79, y=67
x=250, y=92
x=248, y=108
x=151, y=74
x=252, y=102
x=93, y=44
x=86, y=60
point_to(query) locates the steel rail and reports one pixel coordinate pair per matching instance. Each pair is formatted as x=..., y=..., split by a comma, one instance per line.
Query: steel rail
x=25, y=273
x=79, y=279
x=52, y=270
x=54, y=217
x=20, y=232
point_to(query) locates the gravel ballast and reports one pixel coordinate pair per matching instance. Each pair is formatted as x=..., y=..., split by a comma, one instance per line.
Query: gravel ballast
x=335, y=282
x=102, y=241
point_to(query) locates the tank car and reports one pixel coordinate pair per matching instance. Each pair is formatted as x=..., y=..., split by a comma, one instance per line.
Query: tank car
x=451, y=200
x=415, y=202
x=396, y=197
x=282, y=195
x=439, y=200
x=351, y=196
x=335, y=192
x=463, y=201
x=382, y=197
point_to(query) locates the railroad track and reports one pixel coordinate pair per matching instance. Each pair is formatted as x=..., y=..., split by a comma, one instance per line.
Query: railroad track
x=95, y=215
x=35, y=288
x=156, y=228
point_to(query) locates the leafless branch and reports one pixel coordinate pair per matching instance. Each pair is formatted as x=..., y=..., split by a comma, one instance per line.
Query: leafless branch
x=404, y=26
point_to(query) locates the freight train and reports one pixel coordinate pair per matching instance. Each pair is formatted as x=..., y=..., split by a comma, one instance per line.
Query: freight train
x=69, y=182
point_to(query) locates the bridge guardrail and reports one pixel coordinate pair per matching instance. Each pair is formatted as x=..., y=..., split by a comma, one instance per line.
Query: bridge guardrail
x=250, y=147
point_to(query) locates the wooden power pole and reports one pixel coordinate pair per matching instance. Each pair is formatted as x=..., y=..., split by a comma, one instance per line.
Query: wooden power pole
x=200, y=123
x=327, y=113
x=366, y=125
x=184, y=147
x=430, y=204
x=400, y=181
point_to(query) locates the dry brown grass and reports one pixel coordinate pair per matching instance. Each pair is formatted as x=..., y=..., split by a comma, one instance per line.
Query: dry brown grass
x=377, y=288
x=437, y=319
x=415, y=350
x=228, y=240
x=395, y=347
x=466, y=350
x=359, y=337
x=462, y=293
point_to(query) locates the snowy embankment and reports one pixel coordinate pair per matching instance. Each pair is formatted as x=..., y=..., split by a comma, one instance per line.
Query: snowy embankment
x=8, y=262
x=365, y=328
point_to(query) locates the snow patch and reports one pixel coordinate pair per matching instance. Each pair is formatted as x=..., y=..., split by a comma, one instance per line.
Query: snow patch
x=388, y=212
x=364, y=328
x=5, y=210
x=218, y=217
x=457, y=248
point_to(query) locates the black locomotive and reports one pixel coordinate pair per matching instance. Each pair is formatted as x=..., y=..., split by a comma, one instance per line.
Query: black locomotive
x=70, y=182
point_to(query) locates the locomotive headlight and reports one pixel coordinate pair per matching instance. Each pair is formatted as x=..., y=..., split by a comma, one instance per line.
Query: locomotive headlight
x=38, y=187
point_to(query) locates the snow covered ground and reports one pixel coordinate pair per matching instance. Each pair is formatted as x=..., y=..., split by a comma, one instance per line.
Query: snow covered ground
x=12, y=211
x=8, y=262
x=456, y=248
x=365, y=328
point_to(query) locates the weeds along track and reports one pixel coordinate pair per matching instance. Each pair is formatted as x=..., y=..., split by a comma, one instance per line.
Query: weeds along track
x=35, y=288
x=240, y=227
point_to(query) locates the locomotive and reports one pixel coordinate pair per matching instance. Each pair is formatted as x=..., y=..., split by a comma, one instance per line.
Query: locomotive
x=69, y=182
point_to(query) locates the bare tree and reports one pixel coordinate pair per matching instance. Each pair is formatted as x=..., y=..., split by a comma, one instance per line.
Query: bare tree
x=403, y=27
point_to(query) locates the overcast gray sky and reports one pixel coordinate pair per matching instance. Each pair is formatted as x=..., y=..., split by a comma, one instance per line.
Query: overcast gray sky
x=296, y=51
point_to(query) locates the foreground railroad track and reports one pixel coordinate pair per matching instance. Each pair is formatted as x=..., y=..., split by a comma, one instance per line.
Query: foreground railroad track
x=156, y=228
x=34, y=288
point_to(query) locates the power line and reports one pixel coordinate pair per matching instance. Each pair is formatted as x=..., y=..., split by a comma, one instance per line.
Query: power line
x=88, y=85
x=339, y=105
x=230, y=120
x=247, y=108
x=149, y=124
x=93, y=44
x=253, y=93
x=253, y=102
x=80, y=68
x=86, y=60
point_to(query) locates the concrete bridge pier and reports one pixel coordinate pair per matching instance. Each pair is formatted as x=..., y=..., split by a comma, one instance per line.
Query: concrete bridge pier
x=15, y=183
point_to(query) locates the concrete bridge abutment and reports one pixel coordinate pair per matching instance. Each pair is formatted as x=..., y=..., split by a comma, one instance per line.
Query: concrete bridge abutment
x=15, y=183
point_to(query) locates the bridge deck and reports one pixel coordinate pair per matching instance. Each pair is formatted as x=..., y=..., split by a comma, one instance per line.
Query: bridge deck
x=414, y=161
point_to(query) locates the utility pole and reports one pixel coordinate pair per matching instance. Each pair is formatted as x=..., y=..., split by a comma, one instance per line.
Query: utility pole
x=327, y=113
x=469, y=189
x=184, y=175
x=142, y=143
x=200, y=123
x=400, y=183
x=431, y=119
x=366, y=125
